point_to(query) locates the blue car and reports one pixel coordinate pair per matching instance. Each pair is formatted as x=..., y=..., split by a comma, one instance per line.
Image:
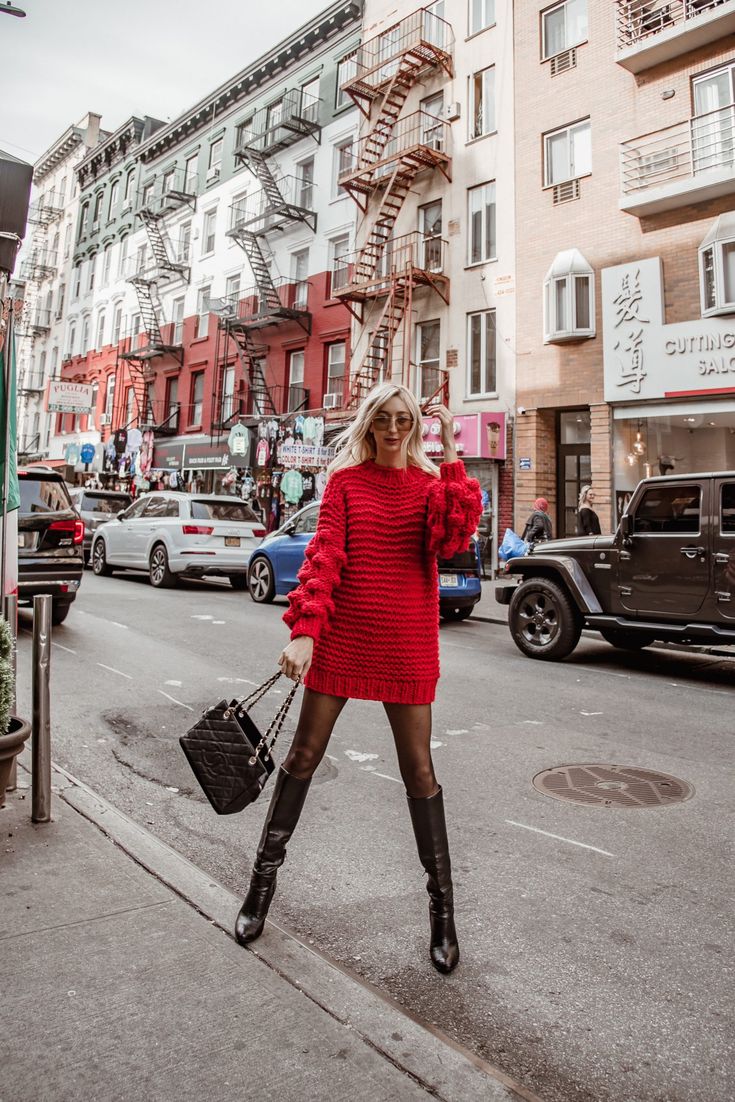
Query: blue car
x=274, y=564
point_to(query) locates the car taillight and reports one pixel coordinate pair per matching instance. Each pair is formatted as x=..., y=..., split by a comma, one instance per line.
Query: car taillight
x=198, y=529
x=74, y=527
x=79, y=531
x=258, y=531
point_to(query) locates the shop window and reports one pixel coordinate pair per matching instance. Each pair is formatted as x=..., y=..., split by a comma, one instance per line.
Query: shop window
x=563, y=26
x=717, y=267
x=727, y=509
x=481, y=354
x=569, y=303
x=669, y=510
x=568, y=153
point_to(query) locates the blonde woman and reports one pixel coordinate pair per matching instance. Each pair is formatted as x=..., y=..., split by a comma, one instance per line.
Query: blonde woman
x=364, y=624
x=588, y=522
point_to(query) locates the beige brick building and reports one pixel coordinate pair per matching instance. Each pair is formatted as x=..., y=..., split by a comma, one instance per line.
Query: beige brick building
x=625, y=160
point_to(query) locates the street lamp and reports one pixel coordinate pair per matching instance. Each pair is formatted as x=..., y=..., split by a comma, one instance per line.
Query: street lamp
x=8, y=9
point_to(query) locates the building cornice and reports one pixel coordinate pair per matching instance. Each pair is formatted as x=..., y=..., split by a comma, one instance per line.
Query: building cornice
x=327, y=25
x=114, y=148
x=58, y=152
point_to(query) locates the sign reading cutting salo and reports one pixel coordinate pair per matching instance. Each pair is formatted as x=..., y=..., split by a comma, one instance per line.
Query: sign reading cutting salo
x=646, y=359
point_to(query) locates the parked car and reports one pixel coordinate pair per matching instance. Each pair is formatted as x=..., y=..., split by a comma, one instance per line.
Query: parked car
x=173, y=535
x=668, y=573
x=276, y=562
x=95, y=507
x=50, y=535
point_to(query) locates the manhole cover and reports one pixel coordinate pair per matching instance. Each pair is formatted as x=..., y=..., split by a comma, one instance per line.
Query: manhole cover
x=612, y=786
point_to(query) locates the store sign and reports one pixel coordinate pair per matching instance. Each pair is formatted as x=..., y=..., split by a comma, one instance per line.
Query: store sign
x=305, y=455
x=644, y=359
x=70, y=398
x=196, y=455
x=476, y=435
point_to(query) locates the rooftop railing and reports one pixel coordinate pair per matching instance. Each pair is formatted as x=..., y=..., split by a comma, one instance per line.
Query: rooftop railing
x=638, y=20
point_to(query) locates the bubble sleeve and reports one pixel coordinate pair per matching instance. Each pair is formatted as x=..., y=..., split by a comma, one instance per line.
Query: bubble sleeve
x=311, y=605
x=455, y=507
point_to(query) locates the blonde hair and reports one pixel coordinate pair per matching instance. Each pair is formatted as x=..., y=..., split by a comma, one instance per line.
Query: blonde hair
x=357, y=443
x=583, y=497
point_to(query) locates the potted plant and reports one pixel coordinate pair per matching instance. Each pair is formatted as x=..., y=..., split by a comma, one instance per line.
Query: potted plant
x=13, y=731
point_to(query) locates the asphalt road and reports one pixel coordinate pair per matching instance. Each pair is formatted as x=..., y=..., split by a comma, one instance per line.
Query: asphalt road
x=597, y=944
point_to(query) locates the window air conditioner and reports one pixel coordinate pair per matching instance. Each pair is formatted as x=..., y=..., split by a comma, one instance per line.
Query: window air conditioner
x=331, y=401
x=453, y=111
x=104, y=418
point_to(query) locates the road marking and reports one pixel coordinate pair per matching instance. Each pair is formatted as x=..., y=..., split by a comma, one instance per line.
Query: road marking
x=117, y=625
x=355, y=755
x=175, y=701
x=435, y=744
x=219, y=621
x=201, y=617
x=176, y=684
x=592, y=713
x=113, y=670
x=386, y=777
x=559, y=838
x=67, y=649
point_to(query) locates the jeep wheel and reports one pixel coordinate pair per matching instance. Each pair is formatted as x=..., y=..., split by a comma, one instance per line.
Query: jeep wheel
x=627, y=640
x=543, y=621
x=450, y=613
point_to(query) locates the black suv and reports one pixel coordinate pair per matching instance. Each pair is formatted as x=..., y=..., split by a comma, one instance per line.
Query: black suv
x=668, y=573
x=96, y=507
x=50, y=536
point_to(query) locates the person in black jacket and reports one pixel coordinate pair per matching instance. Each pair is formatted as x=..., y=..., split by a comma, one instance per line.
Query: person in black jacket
x=538, y=525
x=588, y=522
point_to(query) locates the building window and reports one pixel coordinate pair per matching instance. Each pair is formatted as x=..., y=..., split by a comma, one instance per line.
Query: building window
x=215, y=156
x=129, y=182
x=481, y=217
x=76, y=280
x=717, y=267
x=427, y=358
x=481, y=378
x=172, y=402
x=122, y=260
x=305, y=185
x=191, y=174
x=129, y=406
x=482, y=15
x=296, y=368
x=569, y=305
x=346, y=71
x=339, y=248
x=177, y=317
x=135, y=325
x=568, y=153
x=114, y=196
x=61, y=295
x=482, y=102
x=85, y=335
x=67, y=240
x=184, y=247
x=232, y=290
x=336, y=367
x=117, y=323
x=169, y=181
x=430, y=227
x=71, y=342
x=563, y=26
x=243, y=133
x=97, y=209
x=299, y=274
x=109, y=396
x=106, y=265
x=99, y=343
x=203, y=296
x=228, y=394
x=343, y=162
x=197, y=398
x=310, y=100
x=83, y=215
x=209, y=231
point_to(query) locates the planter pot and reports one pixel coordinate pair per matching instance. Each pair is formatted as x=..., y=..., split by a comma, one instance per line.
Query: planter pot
x=11, y=745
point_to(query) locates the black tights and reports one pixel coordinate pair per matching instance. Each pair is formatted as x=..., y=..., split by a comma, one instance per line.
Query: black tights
x=411, y=726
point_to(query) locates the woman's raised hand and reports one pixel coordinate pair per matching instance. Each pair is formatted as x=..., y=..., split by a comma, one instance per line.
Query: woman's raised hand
x=446, y=419
x=296, y=658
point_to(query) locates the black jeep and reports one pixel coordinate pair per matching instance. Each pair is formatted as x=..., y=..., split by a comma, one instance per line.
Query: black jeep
x=667, y=574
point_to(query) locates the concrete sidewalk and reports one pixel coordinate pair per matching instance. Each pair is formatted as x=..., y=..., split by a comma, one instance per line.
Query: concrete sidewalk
x=120, y=982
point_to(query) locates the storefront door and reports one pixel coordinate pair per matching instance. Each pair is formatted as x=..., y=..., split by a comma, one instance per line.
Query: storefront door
x=574, y=467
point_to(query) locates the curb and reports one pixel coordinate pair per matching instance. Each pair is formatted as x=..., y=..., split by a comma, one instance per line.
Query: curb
x=443, y=1067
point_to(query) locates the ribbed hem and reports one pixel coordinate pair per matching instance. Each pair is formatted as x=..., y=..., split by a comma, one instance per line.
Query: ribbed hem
x=388, y=691
x=305, y=625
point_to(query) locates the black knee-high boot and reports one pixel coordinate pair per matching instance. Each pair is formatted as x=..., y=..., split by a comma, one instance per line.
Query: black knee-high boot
x=429, y=826
x=280, y=822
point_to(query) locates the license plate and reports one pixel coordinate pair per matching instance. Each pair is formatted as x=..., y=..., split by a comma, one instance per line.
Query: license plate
x=232, y=541
x=448, y=580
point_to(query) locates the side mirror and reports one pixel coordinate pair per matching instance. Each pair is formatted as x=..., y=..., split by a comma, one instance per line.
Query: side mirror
x=626, y=529
x=121, y=514
x=289, y=529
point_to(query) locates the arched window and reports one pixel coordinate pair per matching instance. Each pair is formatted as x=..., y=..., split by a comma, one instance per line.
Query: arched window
x=99, y=342
x=569, y=298
x=83, y=215
x=71, y=342
x=85, y=335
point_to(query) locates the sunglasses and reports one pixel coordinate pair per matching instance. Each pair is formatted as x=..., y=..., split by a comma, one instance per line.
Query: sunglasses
x=383, y=421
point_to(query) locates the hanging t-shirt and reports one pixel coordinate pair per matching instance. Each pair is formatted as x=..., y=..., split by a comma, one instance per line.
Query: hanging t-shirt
x=309, y=487
x=262, y=454
x=321, y=483
x=292, y=487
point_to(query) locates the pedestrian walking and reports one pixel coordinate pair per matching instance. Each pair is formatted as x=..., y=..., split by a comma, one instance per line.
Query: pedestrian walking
x=538, y=525
x=588, y=522
x=364, y=624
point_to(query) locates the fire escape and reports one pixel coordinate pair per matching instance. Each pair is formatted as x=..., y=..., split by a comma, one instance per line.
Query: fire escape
x=41, y=264
x=281, y=202
x=162, y=265
x=386, y=269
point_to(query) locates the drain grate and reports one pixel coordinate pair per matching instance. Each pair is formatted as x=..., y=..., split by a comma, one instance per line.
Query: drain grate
x=612, y=786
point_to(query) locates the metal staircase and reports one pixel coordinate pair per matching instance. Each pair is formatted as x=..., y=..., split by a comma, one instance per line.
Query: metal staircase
x=384, y=166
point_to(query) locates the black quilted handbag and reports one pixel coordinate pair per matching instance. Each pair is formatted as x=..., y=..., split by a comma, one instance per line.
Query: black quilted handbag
x=230, y=758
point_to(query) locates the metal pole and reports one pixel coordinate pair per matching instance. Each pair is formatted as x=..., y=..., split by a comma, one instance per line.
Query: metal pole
x=8, y=367
x=10, y=613
x=41, y=747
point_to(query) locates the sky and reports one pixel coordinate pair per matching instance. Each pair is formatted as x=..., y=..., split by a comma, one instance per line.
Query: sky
x=125, y=57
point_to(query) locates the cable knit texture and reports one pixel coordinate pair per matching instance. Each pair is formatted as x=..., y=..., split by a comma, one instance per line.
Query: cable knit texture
x=368, y=589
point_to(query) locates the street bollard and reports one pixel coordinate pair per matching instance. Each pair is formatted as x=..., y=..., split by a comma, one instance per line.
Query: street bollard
x=41, y=739
x=10, y=613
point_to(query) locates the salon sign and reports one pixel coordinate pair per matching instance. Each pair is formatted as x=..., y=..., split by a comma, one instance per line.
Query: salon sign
x=645, y=359
x=476, y=435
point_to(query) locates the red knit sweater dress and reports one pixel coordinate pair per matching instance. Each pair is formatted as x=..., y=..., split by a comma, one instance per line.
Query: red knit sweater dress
x=368, y=592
